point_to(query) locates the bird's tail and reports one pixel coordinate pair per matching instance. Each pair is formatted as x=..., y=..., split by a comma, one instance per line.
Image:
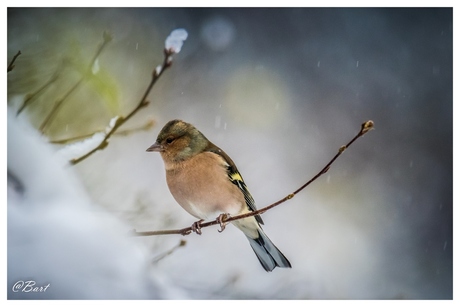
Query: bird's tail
x=269, y=255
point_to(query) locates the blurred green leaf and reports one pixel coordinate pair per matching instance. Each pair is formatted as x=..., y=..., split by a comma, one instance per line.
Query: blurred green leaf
x=106, y=87
x=98, y=79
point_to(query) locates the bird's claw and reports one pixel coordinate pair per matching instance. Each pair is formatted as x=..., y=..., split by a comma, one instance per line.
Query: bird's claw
x=196, y=227
x=221, y=220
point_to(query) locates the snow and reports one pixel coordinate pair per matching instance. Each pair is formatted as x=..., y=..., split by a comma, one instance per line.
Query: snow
x=58, y=237
x=158, y=70
x=112, y=123
x=95, y=69
x=78, y=149
x=175, y=40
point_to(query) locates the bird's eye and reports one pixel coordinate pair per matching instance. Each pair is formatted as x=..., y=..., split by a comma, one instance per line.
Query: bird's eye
x=169, y=140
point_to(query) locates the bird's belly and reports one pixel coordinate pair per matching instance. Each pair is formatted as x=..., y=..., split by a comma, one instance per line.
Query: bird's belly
x=205, y=197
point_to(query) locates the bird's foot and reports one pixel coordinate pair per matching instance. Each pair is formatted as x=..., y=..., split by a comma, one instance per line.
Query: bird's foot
x=196, y=227
x=221, y=220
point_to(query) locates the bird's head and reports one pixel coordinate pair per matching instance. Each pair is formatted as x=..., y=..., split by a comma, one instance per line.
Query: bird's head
x=178, y=141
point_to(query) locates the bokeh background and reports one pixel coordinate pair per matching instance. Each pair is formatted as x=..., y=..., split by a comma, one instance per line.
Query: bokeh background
x=280, y=90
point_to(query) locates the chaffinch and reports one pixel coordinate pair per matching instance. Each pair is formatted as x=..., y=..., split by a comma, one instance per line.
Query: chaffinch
x=206, y=183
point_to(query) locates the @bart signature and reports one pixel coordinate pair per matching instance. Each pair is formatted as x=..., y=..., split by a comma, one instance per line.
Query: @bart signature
x=29, y=286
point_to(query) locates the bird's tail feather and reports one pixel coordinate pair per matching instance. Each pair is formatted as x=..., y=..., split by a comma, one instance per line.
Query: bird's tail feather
x=267, y=253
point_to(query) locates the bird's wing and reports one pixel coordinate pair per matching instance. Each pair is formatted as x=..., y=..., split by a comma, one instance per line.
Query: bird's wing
x=236, y=178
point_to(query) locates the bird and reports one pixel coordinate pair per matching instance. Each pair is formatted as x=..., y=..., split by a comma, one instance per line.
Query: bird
x=205, y=181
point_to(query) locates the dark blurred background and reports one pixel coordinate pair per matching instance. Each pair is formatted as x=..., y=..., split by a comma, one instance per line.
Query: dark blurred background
x=280, y=90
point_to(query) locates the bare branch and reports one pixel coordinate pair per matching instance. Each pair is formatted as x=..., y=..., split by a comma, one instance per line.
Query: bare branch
x=165, y=254
x=365, y=127
x=11, y=66
x=157, y=72
x=148, y=125
x=107, y=38
x=30, y=97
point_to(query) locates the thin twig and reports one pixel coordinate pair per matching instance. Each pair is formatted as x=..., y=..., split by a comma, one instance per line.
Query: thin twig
x=58, y=105
x=157, y=72
x=165, y=254
x=11, y=66
x=148, y=125
x=106, y=39
x=30, y=97
x=365, y=127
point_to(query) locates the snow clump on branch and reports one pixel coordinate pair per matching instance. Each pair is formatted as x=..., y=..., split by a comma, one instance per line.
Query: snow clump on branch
x=175, y=40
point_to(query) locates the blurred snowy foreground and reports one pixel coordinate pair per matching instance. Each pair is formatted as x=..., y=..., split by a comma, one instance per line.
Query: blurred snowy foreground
x=60, y=244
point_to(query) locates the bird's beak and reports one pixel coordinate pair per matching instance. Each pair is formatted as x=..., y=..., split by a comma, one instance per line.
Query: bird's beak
x=155, y=147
